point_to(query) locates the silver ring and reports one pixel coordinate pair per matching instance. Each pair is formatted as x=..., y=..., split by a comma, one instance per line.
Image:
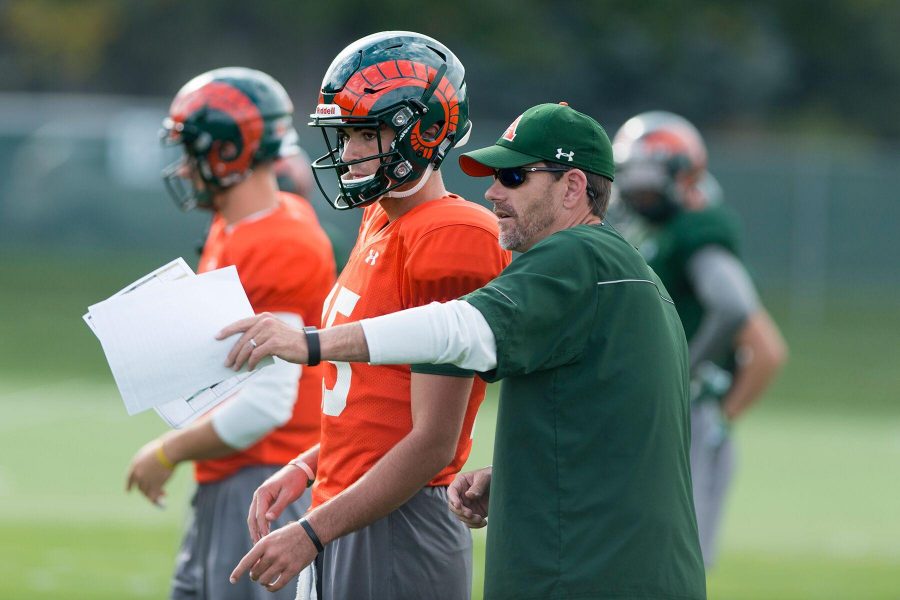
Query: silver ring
x=252, y=343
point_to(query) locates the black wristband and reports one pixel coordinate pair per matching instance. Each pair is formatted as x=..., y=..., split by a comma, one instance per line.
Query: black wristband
x=312, y=534
x=313, y=348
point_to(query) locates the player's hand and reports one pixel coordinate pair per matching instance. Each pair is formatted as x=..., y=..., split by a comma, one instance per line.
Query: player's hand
x=277, y=558
x=264, y=335
x=148, y=473
x=271, y=498
x=468, y=497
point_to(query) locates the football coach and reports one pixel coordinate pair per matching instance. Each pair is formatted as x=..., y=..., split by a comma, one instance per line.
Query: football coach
x=590, y=491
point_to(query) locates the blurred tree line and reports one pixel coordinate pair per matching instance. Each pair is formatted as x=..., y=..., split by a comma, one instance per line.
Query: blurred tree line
x=828, y=66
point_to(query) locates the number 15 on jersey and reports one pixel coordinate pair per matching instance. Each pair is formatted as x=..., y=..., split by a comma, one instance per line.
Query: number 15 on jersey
x=339, y=301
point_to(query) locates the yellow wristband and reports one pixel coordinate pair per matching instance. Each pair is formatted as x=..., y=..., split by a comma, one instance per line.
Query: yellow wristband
x=163, y=459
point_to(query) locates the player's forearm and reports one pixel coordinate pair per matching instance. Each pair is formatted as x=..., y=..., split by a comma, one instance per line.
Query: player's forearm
x=394, y=479
x=344, y=343
x=263, y=404
x=762, y=352
x=310, y=457
x=197, y=442
x=749, y=383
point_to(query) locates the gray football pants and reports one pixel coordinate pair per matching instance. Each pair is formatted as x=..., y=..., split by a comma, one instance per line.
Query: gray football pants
x=712, y=467
x=418, y=552
x=217, y=539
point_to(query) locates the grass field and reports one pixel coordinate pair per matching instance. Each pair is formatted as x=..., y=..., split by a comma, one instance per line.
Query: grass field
x=814, y=512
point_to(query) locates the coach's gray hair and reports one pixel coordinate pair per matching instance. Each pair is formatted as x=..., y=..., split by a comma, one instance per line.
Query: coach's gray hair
x=599, y=188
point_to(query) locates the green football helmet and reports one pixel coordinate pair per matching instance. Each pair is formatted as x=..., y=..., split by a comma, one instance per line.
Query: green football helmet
x=406, y=81
x=227, y=121
x=656, y=152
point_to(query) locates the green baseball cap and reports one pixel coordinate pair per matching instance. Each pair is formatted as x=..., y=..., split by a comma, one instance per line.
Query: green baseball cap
x=546, y=132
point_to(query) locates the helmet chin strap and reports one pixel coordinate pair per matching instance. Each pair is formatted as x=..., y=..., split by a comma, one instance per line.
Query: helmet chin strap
x=407, y=193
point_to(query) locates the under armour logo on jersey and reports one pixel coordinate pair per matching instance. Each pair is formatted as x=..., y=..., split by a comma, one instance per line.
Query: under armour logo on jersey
x=569, y=155
x=372, y=257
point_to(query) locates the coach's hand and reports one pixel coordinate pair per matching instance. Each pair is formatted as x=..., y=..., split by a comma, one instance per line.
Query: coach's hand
x=148, y=472
x=468, y=497
x=277, y=558
x=271, y=498
x=264, y=335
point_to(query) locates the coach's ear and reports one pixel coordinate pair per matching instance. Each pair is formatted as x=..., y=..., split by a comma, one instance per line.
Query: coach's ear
x=575, y=193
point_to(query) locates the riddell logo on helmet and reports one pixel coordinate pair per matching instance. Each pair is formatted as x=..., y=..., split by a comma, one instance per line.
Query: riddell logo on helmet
x=328, y=110
x=510, y=133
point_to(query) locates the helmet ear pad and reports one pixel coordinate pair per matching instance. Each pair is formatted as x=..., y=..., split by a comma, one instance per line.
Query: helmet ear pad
x=672, y=196
x=686, y=189
x=223, y=152
x=678, y=164
x=424, y=130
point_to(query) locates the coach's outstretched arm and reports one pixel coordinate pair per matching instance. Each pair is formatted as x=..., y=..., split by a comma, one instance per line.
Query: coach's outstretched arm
x=452, y=332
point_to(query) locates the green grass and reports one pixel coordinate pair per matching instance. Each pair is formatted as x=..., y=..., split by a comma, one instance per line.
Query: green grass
x=813, y=514
x=68, y=528
x=41, y=303
x=90, y=561
x=777, y=576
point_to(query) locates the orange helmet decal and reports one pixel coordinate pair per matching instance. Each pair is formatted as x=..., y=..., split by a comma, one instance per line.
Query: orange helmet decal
x=370, y=84
x=227, y=99
x=672, y=141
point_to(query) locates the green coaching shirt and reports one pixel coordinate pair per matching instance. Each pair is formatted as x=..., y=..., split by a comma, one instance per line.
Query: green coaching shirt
x=591, y=490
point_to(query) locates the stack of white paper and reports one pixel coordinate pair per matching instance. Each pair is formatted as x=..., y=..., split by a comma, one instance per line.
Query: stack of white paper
x=158, y=335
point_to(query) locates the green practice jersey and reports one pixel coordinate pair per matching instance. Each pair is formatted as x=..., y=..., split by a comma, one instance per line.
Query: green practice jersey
x=669, y=247
x=591, y=491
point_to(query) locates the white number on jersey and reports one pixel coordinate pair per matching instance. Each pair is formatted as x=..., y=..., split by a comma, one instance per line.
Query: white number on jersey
x=335, y=400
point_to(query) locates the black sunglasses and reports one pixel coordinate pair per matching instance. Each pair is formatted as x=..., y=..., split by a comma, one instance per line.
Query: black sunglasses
x=515, y=176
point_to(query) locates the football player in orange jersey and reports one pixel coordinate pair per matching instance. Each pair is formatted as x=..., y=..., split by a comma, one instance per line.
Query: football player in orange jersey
x=233, y=124
x=393, y=437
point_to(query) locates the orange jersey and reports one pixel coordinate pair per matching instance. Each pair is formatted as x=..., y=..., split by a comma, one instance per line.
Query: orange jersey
x=438, y=251
x=285, y=263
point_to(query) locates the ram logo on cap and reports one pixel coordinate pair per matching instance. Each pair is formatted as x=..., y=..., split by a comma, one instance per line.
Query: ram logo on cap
x=510, y=133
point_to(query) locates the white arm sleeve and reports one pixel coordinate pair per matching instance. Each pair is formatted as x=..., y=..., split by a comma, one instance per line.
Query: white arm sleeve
x=264, y=403
x=452, y=332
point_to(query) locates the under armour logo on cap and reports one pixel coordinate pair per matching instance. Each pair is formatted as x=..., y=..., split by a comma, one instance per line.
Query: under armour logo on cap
x=570, y=155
